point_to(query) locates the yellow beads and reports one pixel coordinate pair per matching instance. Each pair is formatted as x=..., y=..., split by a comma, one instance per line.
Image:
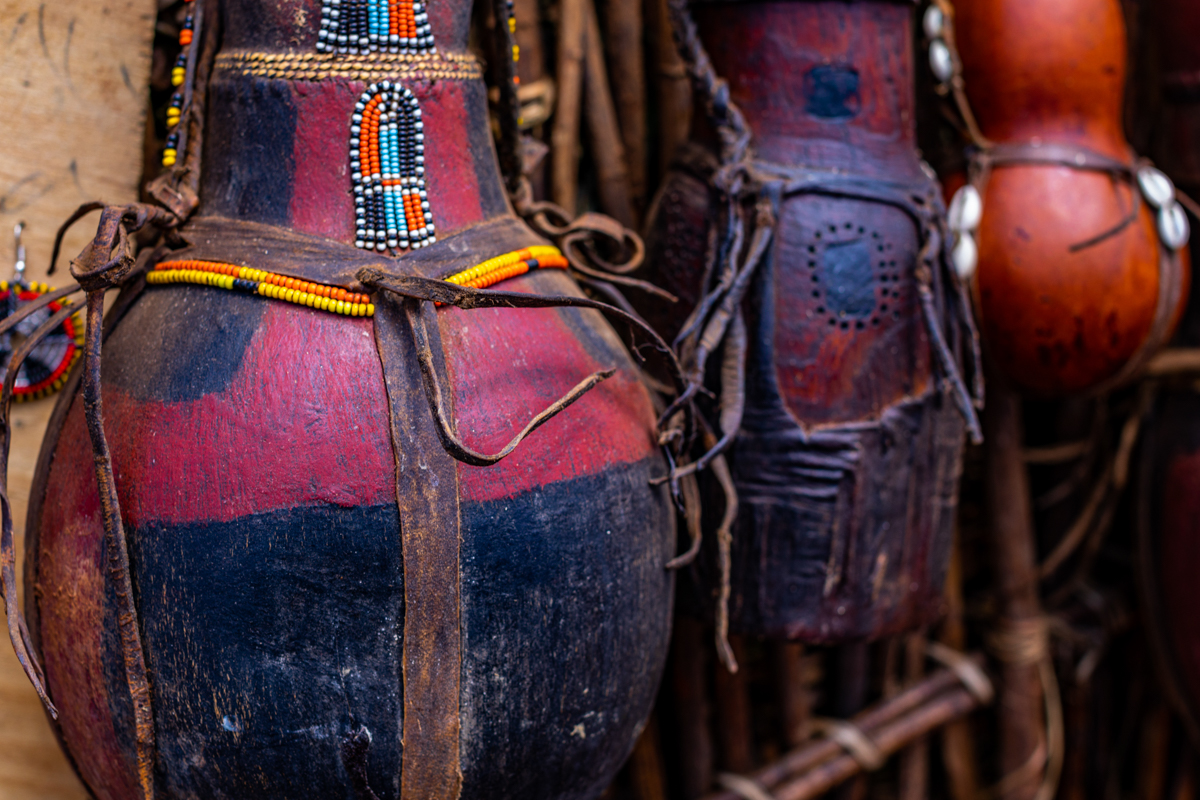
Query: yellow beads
x=482, y=271
x=248, y=280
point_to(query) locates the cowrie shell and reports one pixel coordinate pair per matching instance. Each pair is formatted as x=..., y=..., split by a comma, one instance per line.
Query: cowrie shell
x=1156, y=187
x=1173, y=226
x=966, y=209
x=965, y=256
x=939, y=60
x=934, y=22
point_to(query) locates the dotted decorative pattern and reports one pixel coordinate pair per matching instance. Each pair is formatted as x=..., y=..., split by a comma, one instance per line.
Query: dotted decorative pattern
x=373, y=67
x=387, y=169
x=367, y=26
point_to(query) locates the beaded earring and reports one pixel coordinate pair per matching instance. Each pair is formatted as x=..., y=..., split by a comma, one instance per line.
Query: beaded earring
x=363, y=26
x=46, y=368
x=387, y=167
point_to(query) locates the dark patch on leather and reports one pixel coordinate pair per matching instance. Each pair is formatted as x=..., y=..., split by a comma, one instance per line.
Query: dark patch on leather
x=566, y=611
x=269, y=638
x=250, y=134
x=848, y=279
x=180, y=343
x=831, y=92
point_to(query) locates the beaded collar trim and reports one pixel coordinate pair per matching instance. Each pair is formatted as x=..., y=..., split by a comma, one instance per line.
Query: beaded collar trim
x=363, y=26
x=248, y=280
x=335, y=299
x=387, y=169
x=366, y=68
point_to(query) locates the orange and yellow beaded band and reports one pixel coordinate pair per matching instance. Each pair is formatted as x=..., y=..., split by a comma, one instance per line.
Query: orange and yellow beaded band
x=335, y=299
x=268, y=284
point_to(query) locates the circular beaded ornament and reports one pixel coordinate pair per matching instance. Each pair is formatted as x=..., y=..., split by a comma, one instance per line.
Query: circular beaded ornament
x=45, y=370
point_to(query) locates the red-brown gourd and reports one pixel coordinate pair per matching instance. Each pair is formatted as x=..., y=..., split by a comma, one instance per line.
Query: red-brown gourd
x=1059, y=317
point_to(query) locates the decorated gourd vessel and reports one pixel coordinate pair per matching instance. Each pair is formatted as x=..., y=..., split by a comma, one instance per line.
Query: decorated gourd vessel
x=848, y=342
x=325, y=603
x=1082, y=268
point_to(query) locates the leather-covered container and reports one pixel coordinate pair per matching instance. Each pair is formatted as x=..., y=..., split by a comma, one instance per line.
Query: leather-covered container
x=849, y=452
x=329, y=605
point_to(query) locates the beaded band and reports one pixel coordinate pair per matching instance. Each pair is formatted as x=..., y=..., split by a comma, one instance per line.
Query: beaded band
x=364, y=26
x=268, y=284
x=366, y=68
x=335, y=299
x=509, y=265
x=387, y=170
x=178, y=73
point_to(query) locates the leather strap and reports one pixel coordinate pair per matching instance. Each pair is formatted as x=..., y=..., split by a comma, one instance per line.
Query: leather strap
x=315, y=258
x=427, y=497
x=1053, y=154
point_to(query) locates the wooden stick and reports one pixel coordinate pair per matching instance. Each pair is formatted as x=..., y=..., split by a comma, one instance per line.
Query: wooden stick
x=1155, y=735
x=689, y=680
x=958, y=743
x=608, y=153
x=1010, y=529
x=820, y=751
x=532, y=64
x=952, y=705
x=854, y=677
x=1174, y=361
x=626, y=66
x=914, y=761
x=1184, y=784
x=733, y=713
x=646, y=772
x=564, y=135
x=673, y=89
x=795, y=699
x=532, y=70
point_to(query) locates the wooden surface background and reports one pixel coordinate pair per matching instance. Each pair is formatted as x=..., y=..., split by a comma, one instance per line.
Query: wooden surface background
x=73, y=95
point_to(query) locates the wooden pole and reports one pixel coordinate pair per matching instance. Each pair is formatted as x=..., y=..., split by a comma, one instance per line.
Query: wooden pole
x=646, y=775
x=532, y=70
x=1010, y=529
x=672, y=87
x=818, y=751
x=904, y=730
x=914, y=761
x=1155, y=736
x=733, y=713
x=853, y=665
x=792, y=688
x=958, y=745
x=689, y=682
x=608, y=153
x=564, y=135
x=627, y=67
